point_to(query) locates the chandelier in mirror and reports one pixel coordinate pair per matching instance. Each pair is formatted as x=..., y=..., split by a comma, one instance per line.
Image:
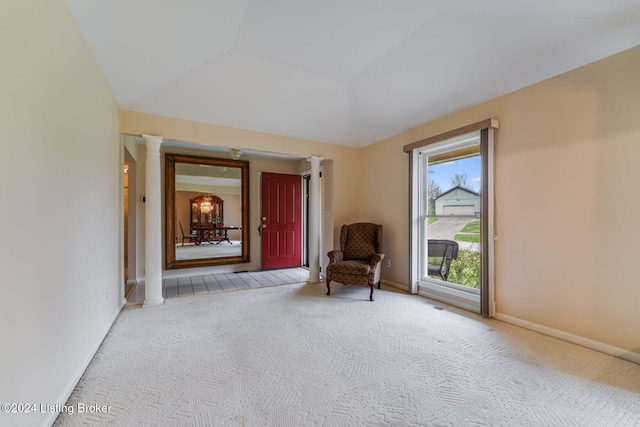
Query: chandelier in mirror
x=206, y=206
x=235, y=153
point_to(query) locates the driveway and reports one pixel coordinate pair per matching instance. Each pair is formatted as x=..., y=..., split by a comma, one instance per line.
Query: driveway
x=447, y=227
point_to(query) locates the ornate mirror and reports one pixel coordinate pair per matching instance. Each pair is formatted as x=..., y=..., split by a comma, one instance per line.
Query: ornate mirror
x=207, y=218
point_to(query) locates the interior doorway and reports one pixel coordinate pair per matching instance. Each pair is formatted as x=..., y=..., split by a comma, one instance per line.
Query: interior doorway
x=129, y=223
x=126, y=222
x=306, y=183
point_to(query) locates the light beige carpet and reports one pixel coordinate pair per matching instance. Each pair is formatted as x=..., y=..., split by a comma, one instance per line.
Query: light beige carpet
x=291, y=356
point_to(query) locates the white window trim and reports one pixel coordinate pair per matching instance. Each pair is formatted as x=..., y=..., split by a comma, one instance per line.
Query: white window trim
x=445, y=142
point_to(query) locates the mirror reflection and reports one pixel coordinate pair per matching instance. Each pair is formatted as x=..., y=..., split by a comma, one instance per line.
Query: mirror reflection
x=207, y=211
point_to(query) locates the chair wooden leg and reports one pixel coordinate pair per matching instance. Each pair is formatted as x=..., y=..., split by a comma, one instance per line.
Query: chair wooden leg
x=371, y=293
x=378, y=285
x=328, y=287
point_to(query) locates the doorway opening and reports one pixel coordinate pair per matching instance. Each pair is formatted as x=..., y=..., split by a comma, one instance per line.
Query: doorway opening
x=129, y=223
x=306, y=183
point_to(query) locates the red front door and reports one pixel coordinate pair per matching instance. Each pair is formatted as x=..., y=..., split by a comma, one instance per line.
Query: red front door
x=281, y=220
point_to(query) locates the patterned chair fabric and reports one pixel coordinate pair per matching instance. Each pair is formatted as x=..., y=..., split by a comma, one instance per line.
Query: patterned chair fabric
x=359, y=260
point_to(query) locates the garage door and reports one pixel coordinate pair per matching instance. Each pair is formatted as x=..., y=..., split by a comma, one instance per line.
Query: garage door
x=458, y=210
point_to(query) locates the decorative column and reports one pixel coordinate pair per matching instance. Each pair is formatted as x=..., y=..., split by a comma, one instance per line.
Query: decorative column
x=314, y=220
x=153, y=225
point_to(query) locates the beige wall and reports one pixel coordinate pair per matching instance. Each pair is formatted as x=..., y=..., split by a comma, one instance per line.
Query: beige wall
x=61, y=187
x=567, y=199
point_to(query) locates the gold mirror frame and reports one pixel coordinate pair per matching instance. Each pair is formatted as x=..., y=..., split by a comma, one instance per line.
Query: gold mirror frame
x=170, y=203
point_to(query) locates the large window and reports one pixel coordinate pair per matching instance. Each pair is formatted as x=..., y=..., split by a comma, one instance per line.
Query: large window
x=452, y=217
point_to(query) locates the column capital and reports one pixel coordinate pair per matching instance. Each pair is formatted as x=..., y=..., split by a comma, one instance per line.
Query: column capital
x=315, y=159
x=153, y=142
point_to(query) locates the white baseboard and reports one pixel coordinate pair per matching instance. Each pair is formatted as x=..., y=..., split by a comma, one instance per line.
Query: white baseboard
x=576, y=339
x=71, y=385
x=628, y=355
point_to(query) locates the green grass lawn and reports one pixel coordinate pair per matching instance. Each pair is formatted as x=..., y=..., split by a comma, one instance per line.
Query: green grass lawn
x=471, y=227
x=467, y=237
x=431, y=220
x=469, y=233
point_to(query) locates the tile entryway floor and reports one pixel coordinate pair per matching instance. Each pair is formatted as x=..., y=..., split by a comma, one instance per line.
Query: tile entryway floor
x=222, y=282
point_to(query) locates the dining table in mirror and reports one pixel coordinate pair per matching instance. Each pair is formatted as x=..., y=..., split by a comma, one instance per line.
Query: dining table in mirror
x=207, y=211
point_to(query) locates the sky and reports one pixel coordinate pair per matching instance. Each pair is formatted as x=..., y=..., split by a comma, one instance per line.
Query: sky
x=442, y=172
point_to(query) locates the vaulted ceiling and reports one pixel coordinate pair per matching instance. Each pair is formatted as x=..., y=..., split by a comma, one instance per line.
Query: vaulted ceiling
x=348, y=72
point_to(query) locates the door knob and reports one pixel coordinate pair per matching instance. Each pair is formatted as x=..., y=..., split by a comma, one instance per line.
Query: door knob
x=264, y=218
x=264, y=225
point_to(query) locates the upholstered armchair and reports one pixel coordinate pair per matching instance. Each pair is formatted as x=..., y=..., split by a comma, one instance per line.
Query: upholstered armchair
x=359, y=260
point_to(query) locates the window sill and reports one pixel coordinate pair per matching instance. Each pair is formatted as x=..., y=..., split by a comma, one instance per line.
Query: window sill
x=465, y=298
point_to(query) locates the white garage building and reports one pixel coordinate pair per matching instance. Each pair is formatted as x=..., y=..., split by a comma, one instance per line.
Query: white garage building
x=458, y=201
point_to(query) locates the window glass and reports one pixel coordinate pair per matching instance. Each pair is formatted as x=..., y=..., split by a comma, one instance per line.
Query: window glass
x=452, y=215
